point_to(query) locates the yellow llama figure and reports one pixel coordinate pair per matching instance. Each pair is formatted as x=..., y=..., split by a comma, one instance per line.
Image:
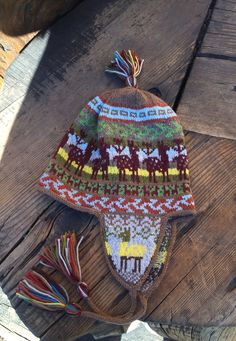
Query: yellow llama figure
x=133, y=251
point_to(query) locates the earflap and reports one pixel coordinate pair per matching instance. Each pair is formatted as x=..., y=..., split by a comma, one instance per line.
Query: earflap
x=138, y=249
x=131, y=243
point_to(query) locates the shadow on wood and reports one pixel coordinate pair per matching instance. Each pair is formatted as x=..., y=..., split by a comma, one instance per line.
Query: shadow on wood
x=45, y=88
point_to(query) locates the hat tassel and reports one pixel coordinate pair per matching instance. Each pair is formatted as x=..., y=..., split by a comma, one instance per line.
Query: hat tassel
x=126, y=65
x=35, y=288
x=64, y=256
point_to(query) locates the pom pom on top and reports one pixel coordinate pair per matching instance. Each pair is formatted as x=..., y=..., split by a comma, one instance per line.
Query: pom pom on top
x=126, y=65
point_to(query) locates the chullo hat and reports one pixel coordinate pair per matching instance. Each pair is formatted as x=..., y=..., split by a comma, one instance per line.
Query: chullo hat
x=124, y=160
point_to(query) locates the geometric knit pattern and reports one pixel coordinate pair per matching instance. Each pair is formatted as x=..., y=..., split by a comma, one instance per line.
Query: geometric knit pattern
x=121, y=204
x=124, y=158
x=160, y=259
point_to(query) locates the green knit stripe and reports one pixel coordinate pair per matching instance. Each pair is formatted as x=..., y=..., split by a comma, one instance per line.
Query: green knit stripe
x=141, y=133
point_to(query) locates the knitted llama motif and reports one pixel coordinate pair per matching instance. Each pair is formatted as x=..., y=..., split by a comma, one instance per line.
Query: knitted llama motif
x=124, y=159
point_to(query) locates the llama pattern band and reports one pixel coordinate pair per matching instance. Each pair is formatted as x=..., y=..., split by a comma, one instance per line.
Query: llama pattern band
x=118, y=162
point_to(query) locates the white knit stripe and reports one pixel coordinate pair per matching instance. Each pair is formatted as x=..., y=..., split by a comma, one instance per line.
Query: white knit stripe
x=95, y=104
x=128, y=114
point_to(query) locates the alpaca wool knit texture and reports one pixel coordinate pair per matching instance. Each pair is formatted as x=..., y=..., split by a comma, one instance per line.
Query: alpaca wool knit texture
x=124, y=159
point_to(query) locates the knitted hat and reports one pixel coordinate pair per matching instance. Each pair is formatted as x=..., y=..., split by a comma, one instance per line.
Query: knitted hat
x=124, y=160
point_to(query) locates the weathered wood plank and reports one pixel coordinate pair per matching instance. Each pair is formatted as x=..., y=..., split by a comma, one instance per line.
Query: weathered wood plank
x=208, y=102
x=203, y=262
x=54, y=222
x=212, y=304
x=195, y=333
x=51, y=88
x=220, y=37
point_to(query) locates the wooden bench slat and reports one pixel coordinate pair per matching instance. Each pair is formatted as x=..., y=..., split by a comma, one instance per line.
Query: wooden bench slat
x=209, y=100
x=56, y=85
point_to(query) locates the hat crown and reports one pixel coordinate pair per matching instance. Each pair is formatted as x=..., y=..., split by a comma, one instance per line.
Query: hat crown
x=130, y=114
x=131, y=97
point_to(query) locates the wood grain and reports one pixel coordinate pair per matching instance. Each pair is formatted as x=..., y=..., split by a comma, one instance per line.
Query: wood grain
x=186, y=333
x=45, y=87
x=220, y=37
x=203, y=263
x=208, y=102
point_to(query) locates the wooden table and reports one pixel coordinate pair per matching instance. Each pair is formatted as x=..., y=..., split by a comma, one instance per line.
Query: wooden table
x=44, y=90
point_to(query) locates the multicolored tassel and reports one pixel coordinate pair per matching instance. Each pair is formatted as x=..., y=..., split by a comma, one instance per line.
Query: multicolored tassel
x=127, y=66
x=37, y=289
x=64, y=256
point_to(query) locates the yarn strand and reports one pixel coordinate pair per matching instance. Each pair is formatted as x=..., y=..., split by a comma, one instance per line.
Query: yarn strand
x=126, y=65
x=64, y=256
x=38, y=289
x=35, y=288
